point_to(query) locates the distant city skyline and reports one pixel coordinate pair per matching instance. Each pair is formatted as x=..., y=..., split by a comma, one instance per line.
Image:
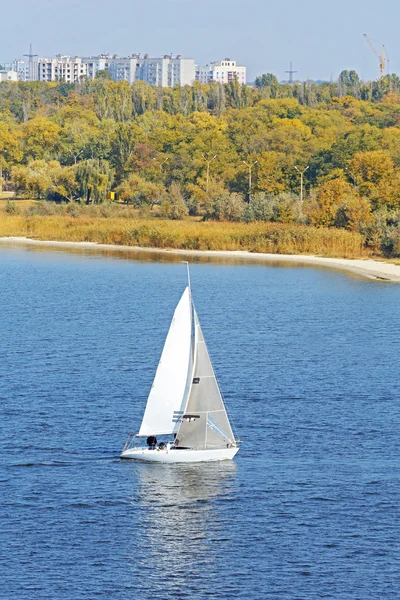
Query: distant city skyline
x=320, y=40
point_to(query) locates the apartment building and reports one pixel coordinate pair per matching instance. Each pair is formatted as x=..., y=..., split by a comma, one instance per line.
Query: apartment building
x=120, y=69
x=61, y=68
x=222, y=71
x=95, y=64
x=123, y=68
x=168, y=71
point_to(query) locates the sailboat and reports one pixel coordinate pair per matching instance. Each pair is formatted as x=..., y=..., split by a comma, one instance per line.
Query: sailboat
x=185, y=402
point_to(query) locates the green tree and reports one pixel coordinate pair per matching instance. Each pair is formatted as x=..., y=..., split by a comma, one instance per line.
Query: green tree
x=103, y=74
x=174, y=205
x=94, y=178
x=45, y=180
x=225, y=207
x=268, y=80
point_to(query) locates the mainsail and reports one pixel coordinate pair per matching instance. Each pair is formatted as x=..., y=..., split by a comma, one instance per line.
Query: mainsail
x=169, y=390
x=205, y=423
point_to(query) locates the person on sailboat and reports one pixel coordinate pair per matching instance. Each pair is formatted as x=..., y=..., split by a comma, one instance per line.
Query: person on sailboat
x=151, y=441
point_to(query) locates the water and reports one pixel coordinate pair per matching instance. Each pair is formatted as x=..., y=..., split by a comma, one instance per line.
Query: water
x=308, y=361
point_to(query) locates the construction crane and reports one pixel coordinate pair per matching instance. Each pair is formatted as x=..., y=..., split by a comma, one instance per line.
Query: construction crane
x=382, y=57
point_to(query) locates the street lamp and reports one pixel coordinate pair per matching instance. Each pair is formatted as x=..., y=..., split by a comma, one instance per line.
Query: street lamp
x=250, y=166
x=161, y=163
x=208, y=161
x=301, y=180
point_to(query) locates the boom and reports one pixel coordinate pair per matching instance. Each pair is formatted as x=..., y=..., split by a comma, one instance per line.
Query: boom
x=383, y=59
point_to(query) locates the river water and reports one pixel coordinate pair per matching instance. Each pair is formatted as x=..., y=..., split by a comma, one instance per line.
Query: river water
x=308, y=361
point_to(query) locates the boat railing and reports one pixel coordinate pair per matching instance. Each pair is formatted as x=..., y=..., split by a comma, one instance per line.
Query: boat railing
x=131, y=442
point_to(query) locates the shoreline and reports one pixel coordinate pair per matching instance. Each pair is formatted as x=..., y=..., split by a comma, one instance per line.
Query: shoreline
x=367, y=268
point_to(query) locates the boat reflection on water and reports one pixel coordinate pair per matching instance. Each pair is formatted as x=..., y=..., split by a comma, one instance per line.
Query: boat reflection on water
x=179, y=527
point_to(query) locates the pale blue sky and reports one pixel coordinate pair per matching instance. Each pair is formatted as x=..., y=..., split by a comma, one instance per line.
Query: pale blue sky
x=321, y=38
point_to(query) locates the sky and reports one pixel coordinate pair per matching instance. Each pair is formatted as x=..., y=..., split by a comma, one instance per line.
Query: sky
x=320, y=37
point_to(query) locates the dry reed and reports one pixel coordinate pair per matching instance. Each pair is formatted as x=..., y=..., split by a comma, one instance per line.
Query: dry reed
x=277, y=238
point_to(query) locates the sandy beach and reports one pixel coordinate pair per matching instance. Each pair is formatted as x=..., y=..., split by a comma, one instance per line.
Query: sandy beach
x=370, y=269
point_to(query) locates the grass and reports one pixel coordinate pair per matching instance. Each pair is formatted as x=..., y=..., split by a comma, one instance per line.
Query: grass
x=276, y=238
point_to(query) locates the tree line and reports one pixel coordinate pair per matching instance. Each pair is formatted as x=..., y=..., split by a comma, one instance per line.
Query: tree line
x=225, y=152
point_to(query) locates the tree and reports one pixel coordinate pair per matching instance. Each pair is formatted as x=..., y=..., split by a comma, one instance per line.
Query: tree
x=40, y=138
x=225, y=207
x=94, y=178
x=33, y=180
x=371, y=167
x=137, y=191
x=268, y=80
x=45, y=180
x=64, y=185
x=261, y=208
x=10, y=151
x=270, y=177
x=330, y=196
x=349, y=80
x=103, y=74
x=174, y=206
x=354, y=213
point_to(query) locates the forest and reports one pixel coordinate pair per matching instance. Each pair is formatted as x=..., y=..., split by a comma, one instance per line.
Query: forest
x=321, y=155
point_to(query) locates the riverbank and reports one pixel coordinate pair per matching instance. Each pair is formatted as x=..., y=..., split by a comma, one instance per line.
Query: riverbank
x=367, y=268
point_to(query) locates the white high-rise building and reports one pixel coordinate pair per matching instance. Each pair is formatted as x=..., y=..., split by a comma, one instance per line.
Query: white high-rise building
x=120, y=69
x=222, y=71
x=61, y=68
x=95, y=64
x=168, y=71
x=123, y=69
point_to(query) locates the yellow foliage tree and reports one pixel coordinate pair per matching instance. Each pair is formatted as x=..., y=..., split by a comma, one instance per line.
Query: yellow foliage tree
x=138, y=191
x=270, y=177
x=354, y=212
x=40, y=138
x=10, y=150
x=371, y=167
x=322, y=210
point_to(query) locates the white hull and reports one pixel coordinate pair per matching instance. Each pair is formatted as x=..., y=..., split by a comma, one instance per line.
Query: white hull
x=179, y=456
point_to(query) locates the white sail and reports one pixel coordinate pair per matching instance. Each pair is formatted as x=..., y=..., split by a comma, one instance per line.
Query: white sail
x=205, y=424
x=167, y=395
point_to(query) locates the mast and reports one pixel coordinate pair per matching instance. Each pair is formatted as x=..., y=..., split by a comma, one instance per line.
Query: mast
x=193, y=353
x=185, y=262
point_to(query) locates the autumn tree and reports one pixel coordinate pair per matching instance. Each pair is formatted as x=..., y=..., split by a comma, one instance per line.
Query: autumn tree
x=137, y=191
x=331, y=196
x=45, y=180
x=40, y=138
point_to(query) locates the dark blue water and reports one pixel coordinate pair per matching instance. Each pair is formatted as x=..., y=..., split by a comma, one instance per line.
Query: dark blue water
x=309, y=364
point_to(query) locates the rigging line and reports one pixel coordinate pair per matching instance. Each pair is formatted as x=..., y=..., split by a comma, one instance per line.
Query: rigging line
x=231, y=421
